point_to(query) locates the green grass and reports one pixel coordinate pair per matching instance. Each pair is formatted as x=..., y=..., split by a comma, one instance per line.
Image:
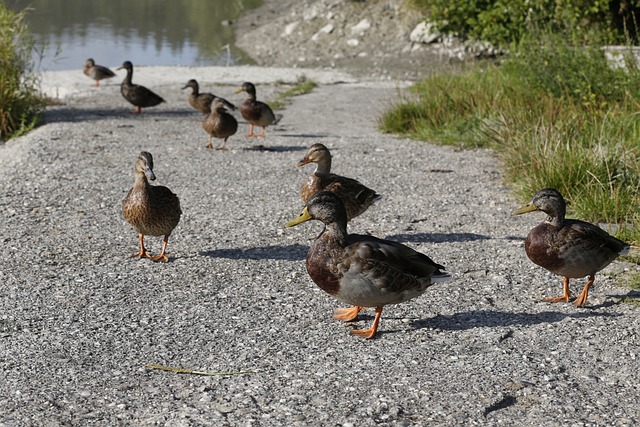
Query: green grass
x=303, y=87
x=557, y=115
x=20, y=102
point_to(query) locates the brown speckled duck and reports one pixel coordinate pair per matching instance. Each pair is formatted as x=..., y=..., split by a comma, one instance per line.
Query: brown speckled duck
x=202, y=101
x=152, y=210
x=137, y=95
x=363, y=271
x=255, y=112
x=219, y=123
x=568, y=247
x=356, y=197
x=96, y=72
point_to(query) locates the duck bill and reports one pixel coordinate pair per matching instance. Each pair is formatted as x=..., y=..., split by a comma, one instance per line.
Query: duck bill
x=303, y=217
x=526, y=208
x=303, y=162
x=238, y=90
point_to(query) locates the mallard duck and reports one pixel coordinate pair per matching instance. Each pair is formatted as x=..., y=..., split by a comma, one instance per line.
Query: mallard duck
x=568, y=247
x=152, y=210
x=356, y=197
x=363, y=271
x=219, y=123
x=202, y=101
x=255, y=112
x=96, y=72
x=139, y=96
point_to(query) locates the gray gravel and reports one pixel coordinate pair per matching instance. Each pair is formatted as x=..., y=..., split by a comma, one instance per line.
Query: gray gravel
x=79, y=318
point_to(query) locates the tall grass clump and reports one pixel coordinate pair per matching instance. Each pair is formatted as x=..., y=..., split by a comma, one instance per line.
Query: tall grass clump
x=557, y=113
x=20, y=101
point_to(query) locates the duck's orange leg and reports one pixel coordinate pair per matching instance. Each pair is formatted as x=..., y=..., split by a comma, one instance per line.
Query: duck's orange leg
x=138, y=110
x=582, y=299
x=347, y=314
x=162, y=257
x=210, y=144
x=261, y=134
x=563, y=298
x=143, y=251
x=369, y=333
x=250, y=130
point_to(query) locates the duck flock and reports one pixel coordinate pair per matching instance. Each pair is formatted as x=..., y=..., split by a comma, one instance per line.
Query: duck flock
x=359, y=270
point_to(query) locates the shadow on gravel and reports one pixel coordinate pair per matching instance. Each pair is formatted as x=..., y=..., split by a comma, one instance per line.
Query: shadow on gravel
x=290, y=253
x=63, y=114
x=276, y=148
x=305, y=135
x=437, y=237
x=492, y=319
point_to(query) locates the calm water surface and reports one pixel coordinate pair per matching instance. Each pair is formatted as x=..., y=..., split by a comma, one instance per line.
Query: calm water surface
x=146, y=32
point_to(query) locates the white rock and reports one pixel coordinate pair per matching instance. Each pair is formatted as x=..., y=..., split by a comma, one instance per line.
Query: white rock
x=290, y=28
x=425, y=32
x=361, y=27
x=327, y=29
x=353, y=42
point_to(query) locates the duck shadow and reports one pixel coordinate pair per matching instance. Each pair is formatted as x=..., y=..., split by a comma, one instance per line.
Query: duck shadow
x=276, y=148
x=436, y=237
x=631, y=297
x=444, y=237
x=294, y=252
x=67, y=114
x=492, y=319
x=305, y=135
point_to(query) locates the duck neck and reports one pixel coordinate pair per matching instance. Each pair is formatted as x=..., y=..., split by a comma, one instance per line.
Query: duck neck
x=336, y=230
x=323, y=167
x=556, y=218
x=141, y=182
x=129, y=77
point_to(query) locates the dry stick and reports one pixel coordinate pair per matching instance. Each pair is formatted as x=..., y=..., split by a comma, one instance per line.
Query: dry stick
x=192, y=372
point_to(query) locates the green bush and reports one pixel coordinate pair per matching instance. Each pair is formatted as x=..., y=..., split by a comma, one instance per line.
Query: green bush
x=503, y=22
x=20, y=102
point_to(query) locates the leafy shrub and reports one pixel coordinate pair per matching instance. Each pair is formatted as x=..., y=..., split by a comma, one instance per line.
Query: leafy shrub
x=20, y=103
x=502, y=22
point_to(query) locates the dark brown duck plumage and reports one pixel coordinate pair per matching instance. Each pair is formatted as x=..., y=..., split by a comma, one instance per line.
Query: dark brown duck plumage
x=360, y=270
x=219, y=123
x=96, y=72
x=137, y=95
x=568, y=247
x=255, y=112
x=152, y=210
x=202, y=101
x=356, y=197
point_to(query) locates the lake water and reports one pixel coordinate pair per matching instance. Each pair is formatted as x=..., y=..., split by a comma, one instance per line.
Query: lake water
x=146, y=32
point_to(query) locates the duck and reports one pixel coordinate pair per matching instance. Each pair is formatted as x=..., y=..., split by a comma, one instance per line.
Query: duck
x=362, y=270
x=138, y=96
x=97, y=72
x=255, y=112
x=570, y=248
x=152, y=210
x=202, y=101
x=219, y=123
x=356, y=197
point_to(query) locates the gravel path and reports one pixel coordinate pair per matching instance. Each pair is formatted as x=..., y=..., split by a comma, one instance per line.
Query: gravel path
x=79, y=318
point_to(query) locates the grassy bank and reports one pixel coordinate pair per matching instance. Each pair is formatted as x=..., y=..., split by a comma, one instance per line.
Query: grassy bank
x=558, y=116
x=20, y=102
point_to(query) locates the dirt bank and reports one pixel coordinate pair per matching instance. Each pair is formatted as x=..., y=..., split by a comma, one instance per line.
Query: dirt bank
x=367, y=39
